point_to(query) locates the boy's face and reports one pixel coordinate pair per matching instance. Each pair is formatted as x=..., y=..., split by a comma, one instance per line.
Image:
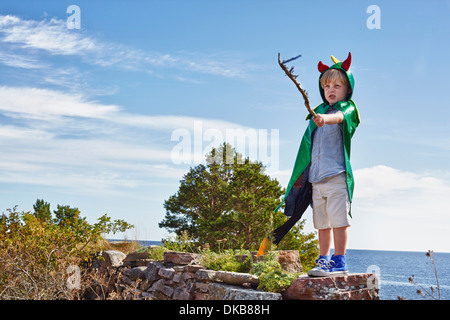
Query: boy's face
x=335, y=91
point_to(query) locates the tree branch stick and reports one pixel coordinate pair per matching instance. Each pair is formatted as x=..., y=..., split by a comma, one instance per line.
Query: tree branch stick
x=291, y=76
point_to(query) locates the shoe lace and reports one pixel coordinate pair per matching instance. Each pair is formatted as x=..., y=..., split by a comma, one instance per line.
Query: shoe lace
x=322, y=263
x=331, y=264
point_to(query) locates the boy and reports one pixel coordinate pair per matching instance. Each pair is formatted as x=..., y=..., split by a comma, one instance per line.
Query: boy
x=330, y=171
x=322, y=173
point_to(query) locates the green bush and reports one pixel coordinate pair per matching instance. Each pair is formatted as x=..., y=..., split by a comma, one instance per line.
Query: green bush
x=272, y=277
x=226, y=260
x=37, y=254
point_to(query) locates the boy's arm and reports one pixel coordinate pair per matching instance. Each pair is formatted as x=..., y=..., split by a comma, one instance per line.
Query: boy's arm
x=333, y=118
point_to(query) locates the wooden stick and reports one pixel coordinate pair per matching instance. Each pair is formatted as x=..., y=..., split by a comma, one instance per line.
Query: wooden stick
x=292, y=77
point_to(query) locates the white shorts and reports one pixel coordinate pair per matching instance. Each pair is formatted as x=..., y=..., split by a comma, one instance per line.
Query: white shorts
x=331, y=205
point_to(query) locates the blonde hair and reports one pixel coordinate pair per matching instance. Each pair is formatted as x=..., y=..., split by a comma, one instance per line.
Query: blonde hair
x=333, y=75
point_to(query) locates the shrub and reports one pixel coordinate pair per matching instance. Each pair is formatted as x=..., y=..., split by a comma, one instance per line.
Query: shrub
x=226, y=260
x=272, y=277
x=39, y=256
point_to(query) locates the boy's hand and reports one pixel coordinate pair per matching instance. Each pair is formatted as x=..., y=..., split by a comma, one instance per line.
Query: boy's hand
x=319, y=120
x=322, y=119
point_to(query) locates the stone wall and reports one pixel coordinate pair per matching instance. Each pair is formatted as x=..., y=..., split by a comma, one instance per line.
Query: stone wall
x=181, y=277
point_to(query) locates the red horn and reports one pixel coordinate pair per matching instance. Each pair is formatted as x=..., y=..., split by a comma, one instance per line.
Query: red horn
x=322, y=67
x=346, y=64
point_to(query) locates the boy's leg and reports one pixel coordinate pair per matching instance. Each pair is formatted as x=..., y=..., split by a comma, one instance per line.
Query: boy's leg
x=338, y=264
x=340, y=240
x=321, y=268
x=338, y=207
x=324, y=241
x=320, y=219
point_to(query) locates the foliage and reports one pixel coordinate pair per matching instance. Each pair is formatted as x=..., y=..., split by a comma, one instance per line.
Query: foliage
x=232, y=198
x=154, y=253
x=183, y=242
x=42, y=210
x=125, y=246
x=226, y=259
x=272, y=277
x=36, y=251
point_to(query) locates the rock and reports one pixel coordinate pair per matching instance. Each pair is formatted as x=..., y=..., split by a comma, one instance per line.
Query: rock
x=144, y=285
x=236, y=278
x=166, y=273
x=178, y=278
x=205, y=275
x=348, y=287
x=219, y=291
x=182, y=258
x=161, y=287
x=131, y=258
x=136, y=273
x=157, y=286
x=126, y=280
x=148, y=296
x=192, y=268
x=112, y=258
x=290, y=260
x=181, y=294
x=153, y=269
x=201, y=286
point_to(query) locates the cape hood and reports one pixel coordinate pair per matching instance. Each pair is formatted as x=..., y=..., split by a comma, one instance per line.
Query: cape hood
x=344, y=67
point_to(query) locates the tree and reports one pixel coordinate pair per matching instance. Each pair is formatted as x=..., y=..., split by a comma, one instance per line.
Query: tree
x=200, y=206
x=228, y=198
x=253, y=197
x=42, y=210
x=66, y=216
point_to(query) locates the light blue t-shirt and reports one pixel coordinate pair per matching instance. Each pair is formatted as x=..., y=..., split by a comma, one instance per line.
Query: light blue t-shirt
x=327, y=155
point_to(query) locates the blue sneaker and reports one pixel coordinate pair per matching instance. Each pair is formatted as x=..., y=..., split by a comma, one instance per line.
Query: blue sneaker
x=337, y=266
x=321, y=268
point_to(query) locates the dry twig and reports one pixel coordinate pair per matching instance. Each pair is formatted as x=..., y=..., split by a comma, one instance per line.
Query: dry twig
x=294, y=79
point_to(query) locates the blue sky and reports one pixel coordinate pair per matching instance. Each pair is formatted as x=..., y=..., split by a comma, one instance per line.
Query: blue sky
x=91, y=117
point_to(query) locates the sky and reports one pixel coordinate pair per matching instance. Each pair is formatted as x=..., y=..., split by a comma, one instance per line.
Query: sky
x=106, y=105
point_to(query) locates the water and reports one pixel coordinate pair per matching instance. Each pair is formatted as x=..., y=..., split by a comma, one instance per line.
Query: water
x=146, y=243
x=394, y=269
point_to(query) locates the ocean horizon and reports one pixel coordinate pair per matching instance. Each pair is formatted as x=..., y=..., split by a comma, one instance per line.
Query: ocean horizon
x=394, y=268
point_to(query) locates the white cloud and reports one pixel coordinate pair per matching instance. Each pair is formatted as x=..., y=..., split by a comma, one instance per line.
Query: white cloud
x=65, y=140
x=381, y=182
x=14, y=60
x=45, y=104
x=54, y=38
x=51, y=36
x=397, y=210
x=50, y=105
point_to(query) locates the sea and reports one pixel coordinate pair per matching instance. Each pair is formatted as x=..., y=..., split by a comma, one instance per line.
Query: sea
x=395, y=268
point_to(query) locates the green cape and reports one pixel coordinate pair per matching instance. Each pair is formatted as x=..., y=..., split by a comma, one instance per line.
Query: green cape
x=351, y=121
